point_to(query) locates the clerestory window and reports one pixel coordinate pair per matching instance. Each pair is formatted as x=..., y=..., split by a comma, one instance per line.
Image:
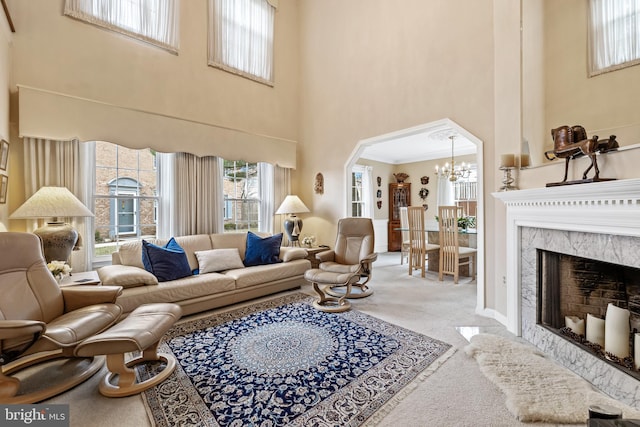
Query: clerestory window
x=152, y=21
x=241, y=38
x=614, y=35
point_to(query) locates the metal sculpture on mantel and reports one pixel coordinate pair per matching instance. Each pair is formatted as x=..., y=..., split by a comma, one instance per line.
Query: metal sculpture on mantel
x=571, y=143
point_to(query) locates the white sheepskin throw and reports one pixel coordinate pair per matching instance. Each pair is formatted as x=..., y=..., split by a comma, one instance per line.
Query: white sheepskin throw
x=537, y=389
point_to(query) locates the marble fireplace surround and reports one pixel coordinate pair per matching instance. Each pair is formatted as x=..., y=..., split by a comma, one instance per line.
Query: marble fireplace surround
x=599, y=221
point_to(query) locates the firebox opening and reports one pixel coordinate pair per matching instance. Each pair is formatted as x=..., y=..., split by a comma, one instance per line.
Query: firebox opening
x=574, y=286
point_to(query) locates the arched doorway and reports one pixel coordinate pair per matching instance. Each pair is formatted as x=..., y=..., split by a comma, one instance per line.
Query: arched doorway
x=419, y=143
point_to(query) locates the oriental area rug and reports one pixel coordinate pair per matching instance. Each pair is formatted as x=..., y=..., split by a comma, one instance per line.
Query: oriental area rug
x=282, y=362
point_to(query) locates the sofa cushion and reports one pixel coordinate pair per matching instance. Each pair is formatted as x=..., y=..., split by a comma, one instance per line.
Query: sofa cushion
x=262, y=251
x=290, y=253
x=185, y=289
x=126, y=276
x=250, y=276
x=168, y=262
x=218, y=260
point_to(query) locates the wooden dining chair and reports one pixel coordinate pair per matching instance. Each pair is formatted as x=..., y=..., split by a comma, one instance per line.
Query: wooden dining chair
x=404, y=225
x=419, y=249
x=452, y=255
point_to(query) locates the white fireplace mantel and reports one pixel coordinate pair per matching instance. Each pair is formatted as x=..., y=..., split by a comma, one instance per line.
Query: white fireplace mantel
x=607, y=207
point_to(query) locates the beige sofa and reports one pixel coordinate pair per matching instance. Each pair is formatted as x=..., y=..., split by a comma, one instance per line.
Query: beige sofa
x=202, y=292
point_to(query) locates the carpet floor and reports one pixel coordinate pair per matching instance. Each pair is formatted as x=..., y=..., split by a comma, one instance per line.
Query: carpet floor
x=282, y=362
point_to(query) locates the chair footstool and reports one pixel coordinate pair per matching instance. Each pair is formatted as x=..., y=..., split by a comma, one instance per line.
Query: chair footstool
x=141, y=331
x=322, y=282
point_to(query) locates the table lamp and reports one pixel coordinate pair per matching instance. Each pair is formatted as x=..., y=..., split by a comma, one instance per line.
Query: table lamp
x=58, y=238
x=292, y=205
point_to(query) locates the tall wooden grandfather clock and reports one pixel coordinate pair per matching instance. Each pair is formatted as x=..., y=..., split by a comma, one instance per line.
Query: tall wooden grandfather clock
x=399, y=196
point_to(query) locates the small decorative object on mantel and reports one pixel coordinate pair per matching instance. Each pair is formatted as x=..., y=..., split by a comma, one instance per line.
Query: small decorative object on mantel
x=424, y=180
x=507, y=164
x=400, y=177
x=318, y=186
x=571, y=143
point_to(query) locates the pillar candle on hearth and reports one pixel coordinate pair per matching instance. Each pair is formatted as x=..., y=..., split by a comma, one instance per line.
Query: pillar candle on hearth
x=595, y=330
x=574, y=323
x=636, y=351
x=616, y=331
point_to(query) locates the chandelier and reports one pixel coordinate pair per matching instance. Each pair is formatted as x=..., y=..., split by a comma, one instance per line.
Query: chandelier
x=452, y=172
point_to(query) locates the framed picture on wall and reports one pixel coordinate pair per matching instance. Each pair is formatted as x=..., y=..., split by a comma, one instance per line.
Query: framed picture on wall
x=4, y=155
x=4, y=183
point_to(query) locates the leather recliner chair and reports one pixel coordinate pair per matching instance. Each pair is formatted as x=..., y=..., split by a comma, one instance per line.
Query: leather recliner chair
x=345, y=270
x=41, y=321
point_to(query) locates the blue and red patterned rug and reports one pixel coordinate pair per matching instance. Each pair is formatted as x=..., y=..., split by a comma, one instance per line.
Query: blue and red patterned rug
x=282, y=362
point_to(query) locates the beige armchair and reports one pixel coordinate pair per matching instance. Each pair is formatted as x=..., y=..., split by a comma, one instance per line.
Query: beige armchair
x=42, y=321
x=345, y=271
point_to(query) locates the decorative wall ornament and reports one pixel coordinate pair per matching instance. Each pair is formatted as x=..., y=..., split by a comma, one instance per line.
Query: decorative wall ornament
x=379, y=203
x=379, y=181
x=400, y=177
x=424, y=180
x=318, y=186
x=423, y=193
x=379, y=194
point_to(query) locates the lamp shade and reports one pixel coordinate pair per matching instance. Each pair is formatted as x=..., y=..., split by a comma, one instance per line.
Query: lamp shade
x=291, y=205
x=51, y=202
x=58, y=238
x=292, y=225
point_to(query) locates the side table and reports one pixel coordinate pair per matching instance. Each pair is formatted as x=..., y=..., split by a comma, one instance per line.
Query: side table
x=311, y=255
x=82, y=278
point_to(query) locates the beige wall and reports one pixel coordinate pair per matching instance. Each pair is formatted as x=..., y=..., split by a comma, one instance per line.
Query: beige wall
x=381, y=67
x=5, y=78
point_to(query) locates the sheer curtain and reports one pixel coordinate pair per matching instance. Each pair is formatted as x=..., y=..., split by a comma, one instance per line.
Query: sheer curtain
x=153, y=21
x=367, y=190
x=58, y=163
x=445, y=192
x=281, y=189
x=167, y=221
x=198, y=195
x=241, y=37
x=267, y=196
x=614, y=35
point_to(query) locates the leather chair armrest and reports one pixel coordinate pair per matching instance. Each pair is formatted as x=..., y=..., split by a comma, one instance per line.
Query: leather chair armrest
x=82, y=296
x=326, y=256
x=11, y=329
x=370, y=258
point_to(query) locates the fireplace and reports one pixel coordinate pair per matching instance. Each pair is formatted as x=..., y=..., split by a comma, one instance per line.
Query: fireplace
x=573, y=297
x=598, y=222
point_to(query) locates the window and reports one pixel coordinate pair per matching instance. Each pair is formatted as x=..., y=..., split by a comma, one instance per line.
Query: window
x=125, y=197
x=241, y=38
x=153, y=21
x=242, y=199
x=357, y=201
x=614, y=35
x=361, y=191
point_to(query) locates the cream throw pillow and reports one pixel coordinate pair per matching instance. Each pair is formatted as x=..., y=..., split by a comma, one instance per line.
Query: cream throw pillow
x=126, y=276
x=218, y=260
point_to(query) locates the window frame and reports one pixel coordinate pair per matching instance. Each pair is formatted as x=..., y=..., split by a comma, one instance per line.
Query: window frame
x=99, y=14
x=601, y=46
x=231, y=203
x=117, y=192
x=219, y=56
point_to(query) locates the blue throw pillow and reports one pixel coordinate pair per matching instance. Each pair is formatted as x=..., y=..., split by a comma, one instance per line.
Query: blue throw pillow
x=262, y=251
x=168, y=262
